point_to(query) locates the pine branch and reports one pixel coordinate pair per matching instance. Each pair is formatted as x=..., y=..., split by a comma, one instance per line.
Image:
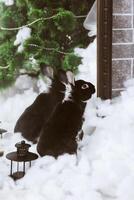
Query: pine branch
x=5, y=67
x=35, y=21
x=48, y=49
x=80, y=16
x=27, y=25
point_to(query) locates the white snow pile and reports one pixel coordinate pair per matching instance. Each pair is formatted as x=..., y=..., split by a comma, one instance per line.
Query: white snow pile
x=104, y=166
x=22, y=35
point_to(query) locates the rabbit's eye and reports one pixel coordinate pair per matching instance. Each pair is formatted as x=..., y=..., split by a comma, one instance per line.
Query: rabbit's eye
x=84, y=86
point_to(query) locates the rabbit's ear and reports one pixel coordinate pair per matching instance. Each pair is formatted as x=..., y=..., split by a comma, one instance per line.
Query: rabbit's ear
x=70, y=77
x=47, y=71
x=62, y=76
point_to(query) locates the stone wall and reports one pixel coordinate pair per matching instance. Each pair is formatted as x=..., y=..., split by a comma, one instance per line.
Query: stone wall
x=123, y=44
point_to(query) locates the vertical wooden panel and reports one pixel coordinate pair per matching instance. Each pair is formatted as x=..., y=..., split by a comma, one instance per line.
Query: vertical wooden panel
x=104, y=48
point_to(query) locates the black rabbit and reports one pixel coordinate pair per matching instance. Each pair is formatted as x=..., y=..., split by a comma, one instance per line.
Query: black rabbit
x=32, y=119
x=60, y=133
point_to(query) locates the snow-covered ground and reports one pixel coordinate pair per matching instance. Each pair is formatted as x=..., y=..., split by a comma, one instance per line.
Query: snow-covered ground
x=104, y=166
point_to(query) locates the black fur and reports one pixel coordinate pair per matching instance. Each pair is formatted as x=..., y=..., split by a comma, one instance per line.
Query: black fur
x=32, y=119
x=59, y=135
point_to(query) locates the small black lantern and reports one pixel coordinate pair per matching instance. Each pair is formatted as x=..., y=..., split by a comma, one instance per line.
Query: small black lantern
x=21, y=155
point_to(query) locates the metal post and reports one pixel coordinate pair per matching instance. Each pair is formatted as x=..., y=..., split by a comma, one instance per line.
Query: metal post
x=24, y=167
x=17, y=166
x=11, y=167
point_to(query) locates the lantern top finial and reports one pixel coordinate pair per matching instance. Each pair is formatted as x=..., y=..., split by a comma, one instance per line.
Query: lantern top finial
x=22, y=148
x=22, y=144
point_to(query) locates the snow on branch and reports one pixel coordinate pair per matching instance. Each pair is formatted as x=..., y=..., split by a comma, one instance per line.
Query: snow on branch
x=8, y=2
x=22, y=35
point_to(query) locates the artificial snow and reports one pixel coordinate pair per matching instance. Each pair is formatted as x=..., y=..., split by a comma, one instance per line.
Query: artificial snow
x=88, y=70
x=104, y=166
x=8, y=2
x=22, y=35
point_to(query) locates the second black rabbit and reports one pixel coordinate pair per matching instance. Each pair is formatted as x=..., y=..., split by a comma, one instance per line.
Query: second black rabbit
x=32, y=119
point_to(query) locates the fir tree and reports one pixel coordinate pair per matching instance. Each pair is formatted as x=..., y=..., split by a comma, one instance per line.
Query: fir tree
x=56, y=29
